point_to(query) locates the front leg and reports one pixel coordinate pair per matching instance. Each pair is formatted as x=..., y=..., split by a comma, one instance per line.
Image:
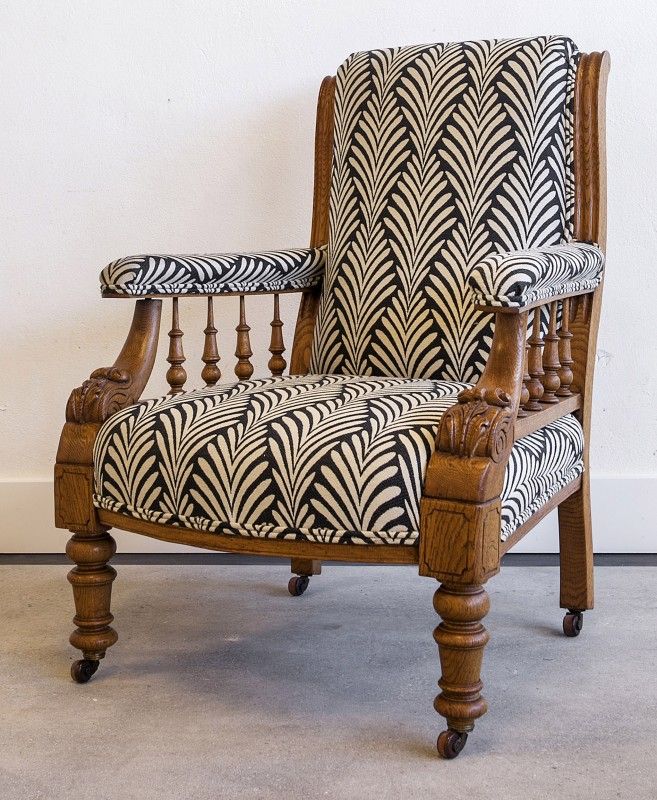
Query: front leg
x=461, y=639
x=460, y=547
x=460, y=521
x=91, y=580
x=91, y=547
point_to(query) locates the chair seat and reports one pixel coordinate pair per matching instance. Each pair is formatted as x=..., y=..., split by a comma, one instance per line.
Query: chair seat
x=322, y=458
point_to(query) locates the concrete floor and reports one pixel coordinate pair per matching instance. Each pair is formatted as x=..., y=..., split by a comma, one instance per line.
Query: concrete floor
x=224, y=686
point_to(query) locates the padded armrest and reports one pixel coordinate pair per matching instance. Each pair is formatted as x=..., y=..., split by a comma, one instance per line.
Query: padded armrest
x=270, y=271
x=521, y=277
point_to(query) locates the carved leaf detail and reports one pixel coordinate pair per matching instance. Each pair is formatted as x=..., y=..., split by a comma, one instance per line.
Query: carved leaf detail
x=480, y=425
x=106, y=391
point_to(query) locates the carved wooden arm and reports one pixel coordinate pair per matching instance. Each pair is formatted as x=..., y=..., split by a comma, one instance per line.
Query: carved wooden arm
x=475, y=435
x=109, y=389
x=460, y=514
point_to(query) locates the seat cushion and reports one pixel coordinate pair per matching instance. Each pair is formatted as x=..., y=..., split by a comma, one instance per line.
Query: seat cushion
x=323, y=458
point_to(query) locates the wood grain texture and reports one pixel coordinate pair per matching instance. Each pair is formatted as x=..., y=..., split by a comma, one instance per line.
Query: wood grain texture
x=306, y=566
x=378, y=554
x=461, y=639
x=575, y=531
x=305, y=327
x=535, y=420
x=92, y=580
x=461, y=541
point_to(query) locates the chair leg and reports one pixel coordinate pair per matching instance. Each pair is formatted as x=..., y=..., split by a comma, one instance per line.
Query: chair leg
x=461, y=639
x=91, y=580
x=576, y=557
x=302, y=569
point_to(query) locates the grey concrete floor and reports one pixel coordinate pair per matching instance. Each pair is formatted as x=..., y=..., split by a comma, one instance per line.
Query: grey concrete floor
x=224, y=686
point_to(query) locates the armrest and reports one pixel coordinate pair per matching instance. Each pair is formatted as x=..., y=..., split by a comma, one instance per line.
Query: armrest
x=223, y=273
x=521, y=278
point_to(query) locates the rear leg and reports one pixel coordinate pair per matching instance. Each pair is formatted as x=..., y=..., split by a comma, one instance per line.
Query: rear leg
x=576, y=557
x=302, y=569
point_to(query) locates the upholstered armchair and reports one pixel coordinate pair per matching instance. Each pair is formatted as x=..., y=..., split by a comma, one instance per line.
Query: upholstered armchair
x=438, y=403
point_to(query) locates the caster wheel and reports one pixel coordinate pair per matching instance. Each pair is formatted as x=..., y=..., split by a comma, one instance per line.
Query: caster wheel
x=573, y=622
x=450, y=743
x=298, y=584
x=83, y=669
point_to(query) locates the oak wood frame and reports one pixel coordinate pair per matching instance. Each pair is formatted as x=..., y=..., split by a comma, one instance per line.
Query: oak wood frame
x=459, y=542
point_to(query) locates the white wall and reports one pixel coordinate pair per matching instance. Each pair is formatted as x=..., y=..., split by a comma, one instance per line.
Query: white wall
x=135, y=125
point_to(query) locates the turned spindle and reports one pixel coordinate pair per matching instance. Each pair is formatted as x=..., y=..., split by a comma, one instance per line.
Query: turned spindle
x=210, y=372
x=176, y=375
x=524, y=392
x=551, y=365
x=243, y=352
x=565, y=352
x=277, y=363
x=535, y=364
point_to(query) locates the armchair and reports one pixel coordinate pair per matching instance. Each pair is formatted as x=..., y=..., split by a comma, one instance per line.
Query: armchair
x=459, y=205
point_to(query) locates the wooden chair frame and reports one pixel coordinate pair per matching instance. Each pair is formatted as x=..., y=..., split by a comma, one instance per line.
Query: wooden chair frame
x=459, y=543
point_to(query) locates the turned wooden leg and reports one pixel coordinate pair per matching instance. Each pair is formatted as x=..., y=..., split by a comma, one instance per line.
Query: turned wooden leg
x=461, y=639
x=576, y=556
x=302, y=569
x=91, y=580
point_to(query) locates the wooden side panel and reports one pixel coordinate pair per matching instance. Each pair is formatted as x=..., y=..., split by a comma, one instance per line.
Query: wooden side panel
x=575, y=530
x=305, y=327
x=460, y=542
x=73, y=497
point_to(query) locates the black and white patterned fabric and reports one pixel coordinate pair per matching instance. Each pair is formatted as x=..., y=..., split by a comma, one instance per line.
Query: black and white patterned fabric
x=322, y=458
x=444, y=155
x=273, y=271
x=517, y=279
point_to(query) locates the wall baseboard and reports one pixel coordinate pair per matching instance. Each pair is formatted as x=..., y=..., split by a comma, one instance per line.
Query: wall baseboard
x=623, y=521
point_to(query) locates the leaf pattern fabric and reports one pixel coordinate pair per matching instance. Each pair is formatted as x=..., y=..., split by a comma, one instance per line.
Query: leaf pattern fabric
x=322, y=458
x=519, y=278
x=444, y=155
x=271, y=271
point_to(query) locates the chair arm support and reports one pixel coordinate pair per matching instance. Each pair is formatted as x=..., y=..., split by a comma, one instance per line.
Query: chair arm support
x=475, y=435
x=110, y=389
x=523, y=278
x=223, y=273
x=460, y=510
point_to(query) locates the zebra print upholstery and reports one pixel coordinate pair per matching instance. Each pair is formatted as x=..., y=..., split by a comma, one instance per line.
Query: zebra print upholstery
x=272, y=271
x=522, y=277
x=328, y=458
x=444, y=155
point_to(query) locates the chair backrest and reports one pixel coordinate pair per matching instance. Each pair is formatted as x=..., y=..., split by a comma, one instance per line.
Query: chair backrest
x=442, y=155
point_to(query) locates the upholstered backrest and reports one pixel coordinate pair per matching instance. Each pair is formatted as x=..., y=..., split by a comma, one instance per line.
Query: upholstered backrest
x=443, y=154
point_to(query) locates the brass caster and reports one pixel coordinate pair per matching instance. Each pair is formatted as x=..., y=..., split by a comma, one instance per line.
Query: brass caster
x=83, y=669
x=451, y=742
x=298, y=584
x=573, y=622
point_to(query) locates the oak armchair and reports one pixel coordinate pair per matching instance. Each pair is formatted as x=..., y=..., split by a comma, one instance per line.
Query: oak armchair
x=459, y=205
